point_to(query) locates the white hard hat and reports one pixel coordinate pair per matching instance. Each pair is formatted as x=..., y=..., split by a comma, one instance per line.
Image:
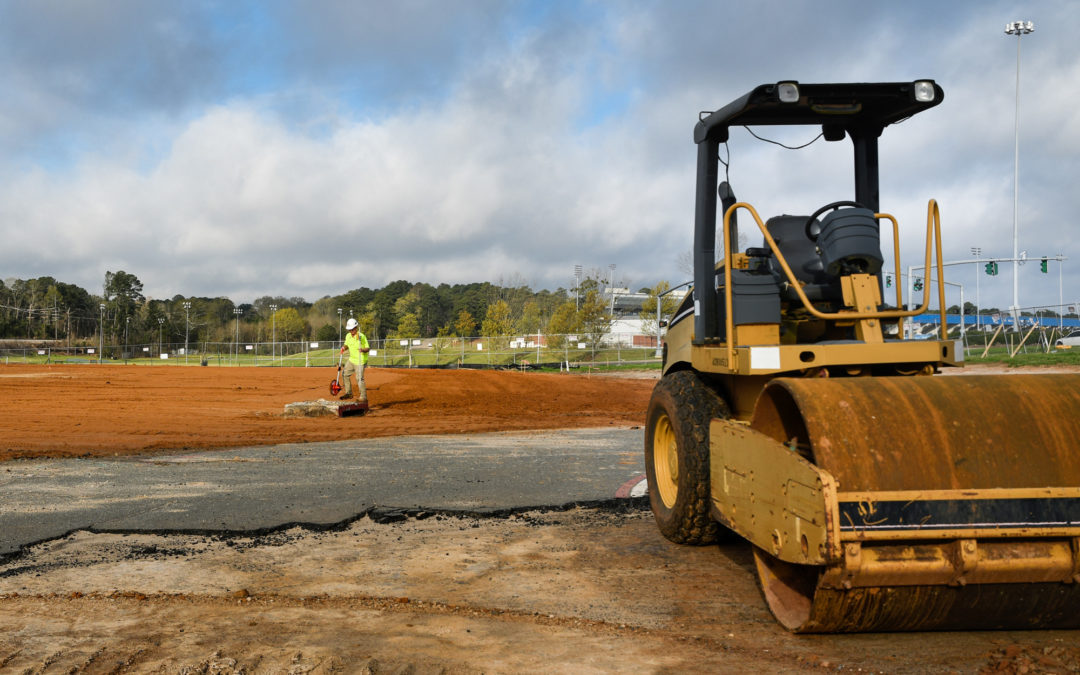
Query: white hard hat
x=350, y=324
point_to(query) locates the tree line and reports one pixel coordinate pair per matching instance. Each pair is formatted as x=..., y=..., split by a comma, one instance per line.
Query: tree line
x=47, y=309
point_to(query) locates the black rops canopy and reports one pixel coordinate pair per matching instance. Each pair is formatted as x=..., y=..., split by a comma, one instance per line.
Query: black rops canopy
x=859, y=110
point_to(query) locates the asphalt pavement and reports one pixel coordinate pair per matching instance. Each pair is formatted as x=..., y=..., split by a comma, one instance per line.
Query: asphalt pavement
x=316, y=484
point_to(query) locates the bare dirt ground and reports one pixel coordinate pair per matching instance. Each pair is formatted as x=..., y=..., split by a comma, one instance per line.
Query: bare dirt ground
x=578, y=591
x=88, y=410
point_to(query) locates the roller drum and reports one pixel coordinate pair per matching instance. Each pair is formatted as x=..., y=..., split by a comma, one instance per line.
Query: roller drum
x=927, y=433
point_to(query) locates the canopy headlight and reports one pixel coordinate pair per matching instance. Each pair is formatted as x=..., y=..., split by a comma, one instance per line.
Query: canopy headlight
x=788, y=92
x=924, y=91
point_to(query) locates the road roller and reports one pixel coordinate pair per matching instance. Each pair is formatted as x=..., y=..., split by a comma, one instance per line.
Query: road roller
x=878, y=492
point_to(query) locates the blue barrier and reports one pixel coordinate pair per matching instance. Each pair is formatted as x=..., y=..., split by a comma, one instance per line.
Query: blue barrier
x=985, y=320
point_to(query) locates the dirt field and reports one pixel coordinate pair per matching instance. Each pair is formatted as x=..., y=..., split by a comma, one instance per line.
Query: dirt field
x=88, y=410
x=579, y=591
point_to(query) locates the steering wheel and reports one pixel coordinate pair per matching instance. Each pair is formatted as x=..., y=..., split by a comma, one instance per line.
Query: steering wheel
x=828, y=207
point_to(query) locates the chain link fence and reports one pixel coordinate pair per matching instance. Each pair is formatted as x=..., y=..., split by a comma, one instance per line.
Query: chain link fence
x=536, y=351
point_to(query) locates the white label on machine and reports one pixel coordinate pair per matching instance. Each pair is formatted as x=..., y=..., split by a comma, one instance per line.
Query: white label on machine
x=764, y=358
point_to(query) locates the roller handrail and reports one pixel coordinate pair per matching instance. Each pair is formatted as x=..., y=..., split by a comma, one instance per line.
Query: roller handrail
x=933, y=227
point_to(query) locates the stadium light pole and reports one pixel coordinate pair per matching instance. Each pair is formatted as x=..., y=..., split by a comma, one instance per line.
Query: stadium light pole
x=236, y=345
x=611, y=287
x=160, y=324
x=127, y=324
x=187, y=327
x=1061, y=298
x=339, y=324
x=101, y=333
x=577, y=287
x=273, y=338
x=1019, y=29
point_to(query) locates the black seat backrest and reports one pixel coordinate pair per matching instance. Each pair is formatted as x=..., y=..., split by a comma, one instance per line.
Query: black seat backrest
x=789, y=233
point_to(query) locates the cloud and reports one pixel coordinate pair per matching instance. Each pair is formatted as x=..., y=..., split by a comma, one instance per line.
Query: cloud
x=277, y=149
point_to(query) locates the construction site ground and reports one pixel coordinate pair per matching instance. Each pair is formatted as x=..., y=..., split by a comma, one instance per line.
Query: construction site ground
x=555, y=589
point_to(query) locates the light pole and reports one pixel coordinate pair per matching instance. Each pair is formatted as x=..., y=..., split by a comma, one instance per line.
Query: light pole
x=127, y=324
x=273, y=338
x=977, y=252
x=236, y=345
x=160, y=324
x=339, y=324
x=1019, y=29
x=101, y=333
x=577, y=287
x=611, y=287
x=187, y=327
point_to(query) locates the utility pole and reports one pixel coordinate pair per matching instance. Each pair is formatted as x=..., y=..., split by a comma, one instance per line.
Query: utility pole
x=977, y=252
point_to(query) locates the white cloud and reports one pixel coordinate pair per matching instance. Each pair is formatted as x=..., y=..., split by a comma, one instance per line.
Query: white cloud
x=554, y=143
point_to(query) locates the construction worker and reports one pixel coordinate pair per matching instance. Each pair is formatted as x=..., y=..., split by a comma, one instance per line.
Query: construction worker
x=357, y=344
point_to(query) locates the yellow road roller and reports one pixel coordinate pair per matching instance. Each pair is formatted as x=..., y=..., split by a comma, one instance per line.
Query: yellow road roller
x=878, y=494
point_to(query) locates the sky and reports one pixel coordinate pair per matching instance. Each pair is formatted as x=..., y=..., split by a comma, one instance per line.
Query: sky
x=285, y=148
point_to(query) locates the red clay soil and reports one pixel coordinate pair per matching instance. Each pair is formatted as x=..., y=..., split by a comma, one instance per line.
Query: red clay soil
x=105, y=410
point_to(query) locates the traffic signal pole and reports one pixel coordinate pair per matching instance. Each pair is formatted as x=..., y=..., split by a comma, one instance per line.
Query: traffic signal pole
x=986, y=262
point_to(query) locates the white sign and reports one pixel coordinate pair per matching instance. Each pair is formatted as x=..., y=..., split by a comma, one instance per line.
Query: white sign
x=581, y=345
x=41, y=352
x=764, y=358
x=164, y=357
x=403, y=343
x=90, y=351
x=248, y=347
x=146, y=349
x=373, y=352
x=314, y=345
x=416, y=343
x=479, y=346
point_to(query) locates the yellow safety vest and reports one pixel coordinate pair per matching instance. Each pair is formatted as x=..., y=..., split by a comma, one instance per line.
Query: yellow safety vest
x=354, y=343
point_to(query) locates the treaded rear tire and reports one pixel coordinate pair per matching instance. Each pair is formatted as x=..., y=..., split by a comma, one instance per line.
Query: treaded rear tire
x=679, y=413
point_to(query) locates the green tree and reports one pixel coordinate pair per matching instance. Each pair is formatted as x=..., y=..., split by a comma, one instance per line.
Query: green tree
x=497, y=321
x=529, y=323
x=289, y=325
x=123, y=296
x=595, y=321
x=326, y=333
x=668, y=305
x=408, y=327
x=465, y=325
x=564, y=321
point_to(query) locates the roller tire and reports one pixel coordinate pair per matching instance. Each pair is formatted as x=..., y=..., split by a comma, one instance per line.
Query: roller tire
x=679, y=412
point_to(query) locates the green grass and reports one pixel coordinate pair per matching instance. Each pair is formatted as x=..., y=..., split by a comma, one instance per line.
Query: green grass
x=1054, y=358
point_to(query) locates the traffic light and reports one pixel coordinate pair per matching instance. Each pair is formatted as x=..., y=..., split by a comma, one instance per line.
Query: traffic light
x=918, y=284
x=1042, y=266
x=888, y=281
x=991, y=268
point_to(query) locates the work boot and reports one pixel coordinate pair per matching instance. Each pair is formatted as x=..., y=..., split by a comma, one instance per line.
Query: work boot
x=344, y=397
